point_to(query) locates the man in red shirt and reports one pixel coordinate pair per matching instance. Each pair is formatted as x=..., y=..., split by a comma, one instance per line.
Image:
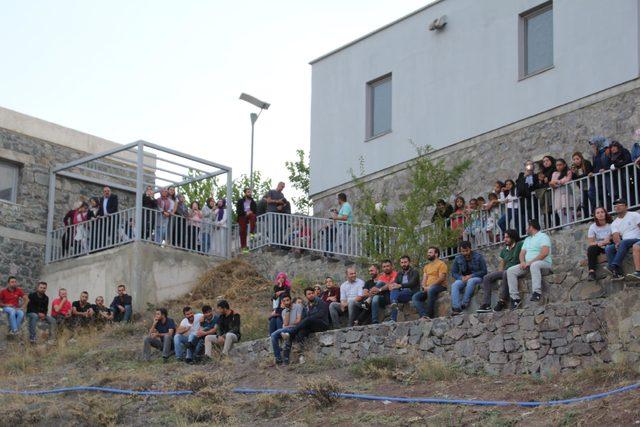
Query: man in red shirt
x=381, y=291
x=61, y=307
x=11, y=300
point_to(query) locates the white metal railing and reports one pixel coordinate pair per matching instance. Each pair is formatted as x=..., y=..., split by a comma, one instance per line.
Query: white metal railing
x=203, y=237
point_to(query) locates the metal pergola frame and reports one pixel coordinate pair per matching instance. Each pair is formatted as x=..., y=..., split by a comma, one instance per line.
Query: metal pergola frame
x=132, y=160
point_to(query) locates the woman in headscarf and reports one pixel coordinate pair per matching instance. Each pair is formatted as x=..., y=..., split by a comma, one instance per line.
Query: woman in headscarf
x=220, y=226
x=281, y=288
x=94, y=231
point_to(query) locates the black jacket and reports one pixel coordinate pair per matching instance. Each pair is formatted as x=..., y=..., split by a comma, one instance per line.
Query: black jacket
x=522, y=188
x=413, y=279
x=229, y=323
x=37, y=304
x=116, y=302
x=240, y=207
x=149, y=202
x=112, y=205
x=318, y=310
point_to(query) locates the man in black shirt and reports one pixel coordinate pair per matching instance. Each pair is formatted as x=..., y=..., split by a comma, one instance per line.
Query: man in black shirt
x=364, y=310
x=227, y=329
x=81, y=310
x=37, y=306
x=101, y=311
x=121, y=306
x=160, y=335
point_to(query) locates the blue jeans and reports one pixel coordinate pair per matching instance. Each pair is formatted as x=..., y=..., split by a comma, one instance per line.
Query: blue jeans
x=402, y=295
x=178, y=344
x=431, y=296
x=615, y=256
x=275, y=323
x=119, y=316
x=206, y=241
x=505, y=220
x=161, y=229
x=458, y=286
x=275, y=344
x=33, y=322
x=15, y=316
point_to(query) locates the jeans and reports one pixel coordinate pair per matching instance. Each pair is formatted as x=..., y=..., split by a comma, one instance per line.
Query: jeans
x=489, y=280
x=275, y=323
x=161, y=230
x=163, y=344
x=593, y=252
x=205, y=235
x=615, y=256
x=119, y=316
x=430, y=295
x=458, y=286
x=33, y=322
x=179, y=342
x=15, y=316
x=400, y=295
x=302, y=330
x=536, y=277
x=275, y=343
x=505, y=220
x=335, y=310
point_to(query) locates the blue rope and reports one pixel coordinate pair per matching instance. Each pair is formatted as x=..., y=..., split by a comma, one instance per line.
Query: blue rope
x=98, y=389
x=449, y=401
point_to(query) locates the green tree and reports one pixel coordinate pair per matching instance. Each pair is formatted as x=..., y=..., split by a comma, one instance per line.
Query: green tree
x=299, y=177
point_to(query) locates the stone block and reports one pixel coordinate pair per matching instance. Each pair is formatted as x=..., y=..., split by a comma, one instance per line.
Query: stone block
x=496, y=344
x=593, y=337
x=570, y=362
x=580, y=348
x=511, y=345
x=550, y=365
x=326, y=340
x=353, y=336
x=498, y=358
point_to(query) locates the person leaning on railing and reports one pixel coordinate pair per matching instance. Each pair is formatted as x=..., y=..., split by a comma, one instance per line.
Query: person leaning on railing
x=581, y=168
x=562, y=194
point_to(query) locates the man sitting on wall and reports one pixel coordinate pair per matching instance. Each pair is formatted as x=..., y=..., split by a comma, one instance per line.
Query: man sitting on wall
x=535, y=256
x=81, y=311
x=227, y=330
x=185, y=335
x=291, y=316
x=121, y=306
x=434, y=281
x=364, y=309
x=469, y=268
x=208, y=324
x=11, y=303
x=37, y=308
x=380, y=294
x=101, y=311
x=625, y=232
x=61, y=308
x=351, y=295
x=331, y=292
x=160, y=335
x=407, y=284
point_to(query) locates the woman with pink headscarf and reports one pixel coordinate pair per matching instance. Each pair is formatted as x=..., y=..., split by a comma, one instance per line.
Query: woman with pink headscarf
x=281, y=288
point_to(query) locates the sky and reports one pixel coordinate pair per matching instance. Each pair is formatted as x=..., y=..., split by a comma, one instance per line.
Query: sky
x=171, y=72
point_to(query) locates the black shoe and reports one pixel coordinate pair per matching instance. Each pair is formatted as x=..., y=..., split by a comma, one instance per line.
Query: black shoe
x=535, y=297
x=165, y=359
x=611, y=270
x=484, y=308
x=189, y=361
x=456, y=311
x=515, y=303
x=617, y=276
x=591, y=277
x=500, y=305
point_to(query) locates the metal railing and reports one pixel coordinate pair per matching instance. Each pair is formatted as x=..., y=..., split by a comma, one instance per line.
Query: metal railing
x=203, y=237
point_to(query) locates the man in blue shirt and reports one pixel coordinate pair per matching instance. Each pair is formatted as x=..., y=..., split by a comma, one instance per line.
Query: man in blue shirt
x=160, y=335
x=469, y=268
x=342, y=220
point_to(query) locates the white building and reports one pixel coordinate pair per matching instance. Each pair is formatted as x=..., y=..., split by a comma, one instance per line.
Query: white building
x=494, y=63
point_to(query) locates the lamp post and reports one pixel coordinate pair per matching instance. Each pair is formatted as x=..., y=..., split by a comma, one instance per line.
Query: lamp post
x=254, y=118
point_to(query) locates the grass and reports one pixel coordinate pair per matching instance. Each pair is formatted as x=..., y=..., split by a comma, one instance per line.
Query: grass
x=321, y=391
x=432, y=369
x=375, y=367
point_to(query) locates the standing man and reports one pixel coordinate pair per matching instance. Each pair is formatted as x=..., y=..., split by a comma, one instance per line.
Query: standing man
x=434, y=281
x=509, y=257
x=535, y=256
x=61, y=307
x=407, y=283
x=121, y=306
x=351, y=295
x=380, y=293
x=37, y=307
x=275, y=204
x=469, y=268
x=227, y=330
x=166, y=207
x=246, y=211
x=109, y=205
x=186, y=334
x=81, y=310
x=625, y=232
x=160, y=335
x=11, y=303
x=339, y=228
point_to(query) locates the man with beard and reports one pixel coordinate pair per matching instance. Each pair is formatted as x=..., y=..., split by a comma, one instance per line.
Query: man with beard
x=434, y=281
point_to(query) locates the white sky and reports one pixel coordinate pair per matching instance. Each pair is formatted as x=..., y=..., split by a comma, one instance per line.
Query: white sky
x=170, y=72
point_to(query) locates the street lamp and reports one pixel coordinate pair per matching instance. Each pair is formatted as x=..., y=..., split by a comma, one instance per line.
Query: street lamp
x=254, y=117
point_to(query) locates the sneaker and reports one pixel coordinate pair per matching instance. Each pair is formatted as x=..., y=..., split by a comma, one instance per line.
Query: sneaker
x=535, y=297
x=285, y=336
x=455, y=311
x=592, y=277
x=500, y=305
x=515, y=304
x=617, y=276
x=165, y=359
x=189, y=361
x=611, y=270
x=634, y=275
x=484, y=308
x=245, y=250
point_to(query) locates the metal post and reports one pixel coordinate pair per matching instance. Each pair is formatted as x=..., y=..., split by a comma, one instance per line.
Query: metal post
x=139, y=190
x=50, y=212
x=253, y=117
x=229, y=212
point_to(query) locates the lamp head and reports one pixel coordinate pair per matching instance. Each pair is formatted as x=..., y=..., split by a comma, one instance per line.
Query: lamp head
x=254, y=101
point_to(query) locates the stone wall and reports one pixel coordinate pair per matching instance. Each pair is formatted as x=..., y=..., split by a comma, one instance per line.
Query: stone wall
x=543, y=340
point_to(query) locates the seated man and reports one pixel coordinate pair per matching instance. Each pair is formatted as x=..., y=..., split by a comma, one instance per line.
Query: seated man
x=61, y=308
x=208, y=324
x=81, y=311
x=469, y=267
x=292, y=315
x=37, y=307
x=364, y=310
x=11, y=303
x=380, y=294
x=350, y=296
x=121, y=306
x=101, y=312
x=509, y=257
x=434, y=281
x=186, y=335
x=317, y=320
x=160, y=335
x=625, y=232
x=407, y=283
x=227, y=330
x=535, y=256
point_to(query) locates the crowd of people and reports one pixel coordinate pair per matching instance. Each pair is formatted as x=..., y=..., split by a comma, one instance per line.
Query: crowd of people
x=62, y=313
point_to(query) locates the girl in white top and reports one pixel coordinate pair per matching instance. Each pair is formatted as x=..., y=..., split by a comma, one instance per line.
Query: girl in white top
x=509, y=197
x=599, y=236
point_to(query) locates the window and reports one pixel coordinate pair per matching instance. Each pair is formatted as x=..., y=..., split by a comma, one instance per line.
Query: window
x=536, y=41
x=8, y=181
x=379, y=106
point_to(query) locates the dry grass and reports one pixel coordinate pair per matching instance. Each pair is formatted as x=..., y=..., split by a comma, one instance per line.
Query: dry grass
x=321, y=391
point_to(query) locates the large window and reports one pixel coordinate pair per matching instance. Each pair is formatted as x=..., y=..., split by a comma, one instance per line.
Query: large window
x=8, y=181
x=379, y=106
x=536, y=42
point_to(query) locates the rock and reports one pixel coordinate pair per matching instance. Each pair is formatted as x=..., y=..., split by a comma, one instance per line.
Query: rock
x=594, y=337
x=464, y=348
x=550, y=365
x=532, y=344
x=558, y=342
x=580, y=348
x=326, y=340
x=426, y=344
x=570, y=362
x=439, y=327
x=456, y=333
x=496, y=344
x=511, y=346
x=498, y=358
x=353, y=336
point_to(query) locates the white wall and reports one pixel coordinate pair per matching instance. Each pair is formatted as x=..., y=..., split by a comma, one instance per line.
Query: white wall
x=463, y=81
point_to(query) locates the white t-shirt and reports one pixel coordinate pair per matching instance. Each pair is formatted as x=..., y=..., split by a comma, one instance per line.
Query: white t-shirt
x=195, y=327
x=349, y=291
x=627, y=226
x=599, y=232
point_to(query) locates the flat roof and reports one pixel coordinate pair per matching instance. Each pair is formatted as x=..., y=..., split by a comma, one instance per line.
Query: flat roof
x=384, y=27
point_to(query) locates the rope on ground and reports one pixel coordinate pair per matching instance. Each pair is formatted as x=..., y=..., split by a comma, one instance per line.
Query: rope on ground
x=432, y=400
x=98, y=390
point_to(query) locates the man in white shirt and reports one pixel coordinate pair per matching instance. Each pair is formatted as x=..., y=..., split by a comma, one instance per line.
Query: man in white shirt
x=351, y=295
x=625, y=232
x=185, y=336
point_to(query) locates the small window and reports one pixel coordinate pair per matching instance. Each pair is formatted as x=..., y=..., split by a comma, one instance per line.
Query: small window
x=379, y=106
x=536, y=44
x=8, y=181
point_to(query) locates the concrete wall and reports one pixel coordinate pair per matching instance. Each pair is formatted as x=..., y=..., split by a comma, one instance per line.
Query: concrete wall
x=151, y=273
x=462, y=82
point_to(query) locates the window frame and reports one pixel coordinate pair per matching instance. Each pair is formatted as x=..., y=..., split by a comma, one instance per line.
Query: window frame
x=523, y=19
x=370, y=87
x=16, y=178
